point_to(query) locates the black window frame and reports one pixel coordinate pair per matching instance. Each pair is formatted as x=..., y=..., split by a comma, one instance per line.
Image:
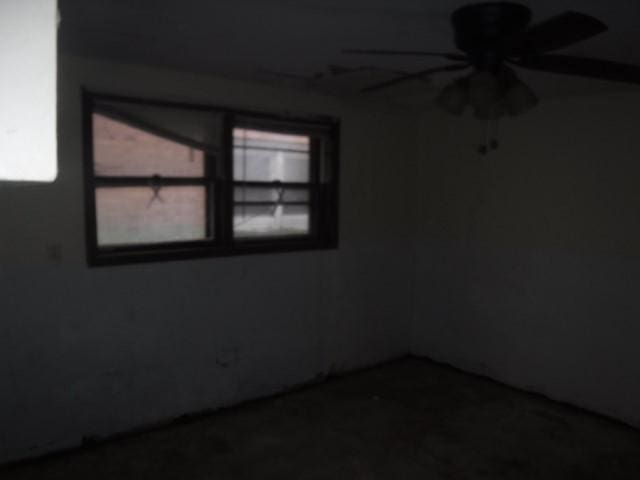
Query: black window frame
x=218, y=177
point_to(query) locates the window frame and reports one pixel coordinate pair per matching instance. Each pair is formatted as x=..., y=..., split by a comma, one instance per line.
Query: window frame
x=218, y=175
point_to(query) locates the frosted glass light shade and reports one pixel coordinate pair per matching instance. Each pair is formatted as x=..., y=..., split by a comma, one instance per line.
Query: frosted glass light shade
x=484, y=93
x=520, y=98
x=28, y=62
x=454, y=98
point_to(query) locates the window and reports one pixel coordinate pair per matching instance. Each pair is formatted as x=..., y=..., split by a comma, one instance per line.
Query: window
x=172, y=181
x=272, y=184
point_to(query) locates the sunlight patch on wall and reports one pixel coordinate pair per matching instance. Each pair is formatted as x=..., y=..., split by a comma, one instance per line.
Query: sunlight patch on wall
x=28, y=61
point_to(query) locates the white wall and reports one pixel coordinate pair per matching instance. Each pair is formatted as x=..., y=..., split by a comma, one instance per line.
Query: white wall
x=528, y=260
x=93, y=351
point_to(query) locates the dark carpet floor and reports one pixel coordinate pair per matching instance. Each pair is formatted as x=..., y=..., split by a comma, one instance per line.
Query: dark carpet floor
x=410, y=419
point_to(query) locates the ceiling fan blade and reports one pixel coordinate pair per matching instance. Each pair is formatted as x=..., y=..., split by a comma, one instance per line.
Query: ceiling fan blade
x=583, y=67
x=420, y=53
x=558, y=32
x=338, y=70
x=292, y=76
x=414, y=76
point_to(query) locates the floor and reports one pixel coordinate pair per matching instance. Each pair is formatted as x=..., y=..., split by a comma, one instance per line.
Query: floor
x=410, y=419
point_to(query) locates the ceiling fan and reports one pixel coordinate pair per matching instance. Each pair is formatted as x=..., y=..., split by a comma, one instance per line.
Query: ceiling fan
x=494, y=36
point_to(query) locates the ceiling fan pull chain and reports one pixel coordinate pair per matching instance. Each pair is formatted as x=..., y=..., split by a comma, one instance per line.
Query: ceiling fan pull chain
x=483, y=148
x=494, y=134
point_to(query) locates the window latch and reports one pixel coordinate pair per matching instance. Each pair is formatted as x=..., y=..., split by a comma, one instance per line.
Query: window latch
x=156, y=185
x=279, y=188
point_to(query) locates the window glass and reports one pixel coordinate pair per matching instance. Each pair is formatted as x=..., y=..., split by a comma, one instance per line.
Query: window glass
x=259, y=194
x=250, y=221
x=145, y=215
x=264, y=157
x=123, y=150
x=200, y=129
x=264, y=139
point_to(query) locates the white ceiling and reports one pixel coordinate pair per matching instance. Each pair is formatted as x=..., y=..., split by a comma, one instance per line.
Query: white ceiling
x=249, y=38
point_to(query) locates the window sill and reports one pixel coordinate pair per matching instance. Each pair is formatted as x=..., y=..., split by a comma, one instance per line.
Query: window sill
x=198, y=250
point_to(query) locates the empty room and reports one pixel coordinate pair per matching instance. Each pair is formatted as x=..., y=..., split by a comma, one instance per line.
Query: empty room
x=319, y=239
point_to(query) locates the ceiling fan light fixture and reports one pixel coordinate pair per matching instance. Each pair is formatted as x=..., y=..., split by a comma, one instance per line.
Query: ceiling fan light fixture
x=519, y=98
x=454, y=98
x=485, y=92
x=490, y=95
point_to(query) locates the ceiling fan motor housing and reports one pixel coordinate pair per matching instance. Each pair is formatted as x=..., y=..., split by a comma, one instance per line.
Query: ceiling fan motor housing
x=485, y=31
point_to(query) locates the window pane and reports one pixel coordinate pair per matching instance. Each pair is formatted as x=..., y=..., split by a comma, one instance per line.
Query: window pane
x=198, y=128
x=120, y=149
x=264, y=139
x=251, y=221
x=264, y=156
x=140, y=215
x=258, y=194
